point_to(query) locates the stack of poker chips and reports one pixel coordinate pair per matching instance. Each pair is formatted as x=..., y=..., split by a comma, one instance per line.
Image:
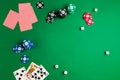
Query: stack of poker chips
x=88, y=18
x=62, y=13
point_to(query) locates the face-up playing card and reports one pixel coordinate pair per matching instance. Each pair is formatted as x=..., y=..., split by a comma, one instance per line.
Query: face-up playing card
x=19, y=74
x=39, y=73
x=31, y=68
x=25, y=78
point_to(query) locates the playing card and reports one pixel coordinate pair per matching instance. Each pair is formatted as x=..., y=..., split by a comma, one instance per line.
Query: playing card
x=31, y=68
x=27, y=13
x=25, y=78
x=25, y=26
x=27, y=16
x=19, y=74
x=39, y=73
x=11, y=19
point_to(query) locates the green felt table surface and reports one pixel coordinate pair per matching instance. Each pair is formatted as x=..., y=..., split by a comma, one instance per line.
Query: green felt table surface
x=81, y=53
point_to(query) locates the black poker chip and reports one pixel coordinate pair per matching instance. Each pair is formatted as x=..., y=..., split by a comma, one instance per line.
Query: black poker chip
x=40, y=5
x=49, y=19
x=62, y=13
x=52, y=14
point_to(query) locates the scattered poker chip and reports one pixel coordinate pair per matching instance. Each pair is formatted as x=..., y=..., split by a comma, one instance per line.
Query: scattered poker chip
x=71, y=8
x=62, y=13
x=65, y=72
x=95, y=9
x=52, y=14
x=40, y=5
x=18, y=49
x=82, y=28
x=56, y=66
x=27, y=44
x=107, y=52
x=49, y=19
x=24, y=59
x=89, y=21
x=87, y=15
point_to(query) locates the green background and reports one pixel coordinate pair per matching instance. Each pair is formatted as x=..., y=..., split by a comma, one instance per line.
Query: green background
x=81, y=53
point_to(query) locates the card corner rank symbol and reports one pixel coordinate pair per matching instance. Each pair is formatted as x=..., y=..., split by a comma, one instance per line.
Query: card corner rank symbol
x=25, y=10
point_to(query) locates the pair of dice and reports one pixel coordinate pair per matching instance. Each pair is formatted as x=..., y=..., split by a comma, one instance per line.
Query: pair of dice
x=26, y=45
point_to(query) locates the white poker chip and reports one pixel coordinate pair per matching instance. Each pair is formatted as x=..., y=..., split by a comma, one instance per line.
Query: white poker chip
x=56, y=66
x=65, y=72
x=107, y=52
x=95, y=9
x=82, y=28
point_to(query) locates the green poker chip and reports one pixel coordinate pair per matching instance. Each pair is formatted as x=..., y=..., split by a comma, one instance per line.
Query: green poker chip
x=71, y=8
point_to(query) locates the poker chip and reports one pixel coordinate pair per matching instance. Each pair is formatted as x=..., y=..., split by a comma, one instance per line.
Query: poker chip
x=40, y=5
x=62, y=13
x=71, y=8
x=86, y=16
x=27, y=44
x=18, y=49
x=50, y=19
x=89, y=21
x=52, y=14
x=24, y=59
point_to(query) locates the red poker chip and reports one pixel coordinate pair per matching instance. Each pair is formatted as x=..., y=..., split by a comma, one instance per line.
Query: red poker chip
x=89, y=21
x=86, y=16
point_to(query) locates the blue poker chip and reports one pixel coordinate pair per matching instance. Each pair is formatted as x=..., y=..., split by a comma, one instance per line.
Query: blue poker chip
x=27, y=44
x=18, y=49
x=24, y=59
